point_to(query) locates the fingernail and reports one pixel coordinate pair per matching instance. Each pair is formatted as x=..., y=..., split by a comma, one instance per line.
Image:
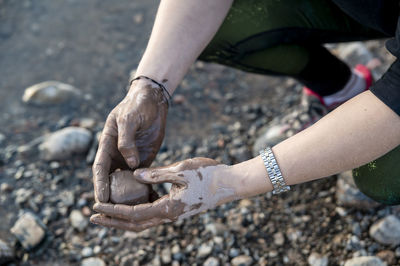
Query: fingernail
x=95, y=206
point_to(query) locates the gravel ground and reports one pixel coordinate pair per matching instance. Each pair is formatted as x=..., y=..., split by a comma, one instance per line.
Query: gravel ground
x=217, y=112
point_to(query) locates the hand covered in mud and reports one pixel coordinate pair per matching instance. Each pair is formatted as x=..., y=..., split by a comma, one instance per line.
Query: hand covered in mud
x=197, y=185
x=132, y=134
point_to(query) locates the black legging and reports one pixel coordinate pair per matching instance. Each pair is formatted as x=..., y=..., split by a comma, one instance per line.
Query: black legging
x=285, y=38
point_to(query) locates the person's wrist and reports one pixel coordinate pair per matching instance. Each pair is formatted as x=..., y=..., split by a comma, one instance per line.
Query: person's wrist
x=144, y=86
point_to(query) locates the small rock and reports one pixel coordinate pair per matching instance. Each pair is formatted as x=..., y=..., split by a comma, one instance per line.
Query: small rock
x=66, y=142
x=128, y=260
x=234, y=252
x=242, y=260
x=204, y=250
x=29, y=230
x=365, y=261
x=316, y=259
x=211, y=261
x=6, y=253
x=93, y=262
x=387, y=256
x=97, y=249
x=78, y=221
x=51, y=93
x=138, y=18
x=166, y=255
x=87, y=252
x=386, y=231
x=216, y=229
x=2, y=138
x=279, y=239
x=5, y=187
x=349, y=195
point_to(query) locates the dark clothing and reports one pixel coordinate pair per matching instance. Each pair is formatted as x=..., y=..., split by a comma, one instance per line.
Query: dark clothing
x=381, y=16
x=285, y=38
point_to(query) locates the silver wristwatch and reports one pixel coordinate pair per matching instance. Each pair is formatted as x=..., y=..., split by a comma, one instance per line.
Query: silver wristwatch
x=273, y=171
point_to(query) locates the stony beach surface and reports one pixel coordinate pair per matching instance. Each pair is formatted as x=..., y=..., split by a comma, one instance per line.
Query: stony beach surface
x=49, y=136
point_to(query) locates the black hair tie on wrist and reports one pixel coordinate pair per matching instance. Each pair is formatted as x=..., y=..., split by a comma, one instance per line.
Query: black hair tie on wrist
x=165, y=92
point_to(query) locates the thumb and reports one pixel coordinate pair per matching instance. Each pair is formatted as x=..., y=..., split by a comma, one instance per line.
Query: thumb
x=159, y=175
x=127, y=144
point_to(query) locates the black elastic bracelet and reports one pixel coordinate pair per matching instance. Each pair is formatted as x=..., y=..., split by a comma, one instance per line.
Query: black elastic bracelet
x=165, y=92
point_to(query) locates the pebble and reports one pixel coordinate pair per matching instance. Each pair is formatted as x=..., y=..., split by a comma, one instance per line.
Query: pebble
x=242, y=260
x=217, y=229
x=64, y=143
x=29, y=230
x=166, y=255
x=87, y=252
x=387, y=256
x=211, y=261
x=279, y=239
x=5, y=187
x=365, y=261
x=386, y=231
x=93, y=262
x=78, y=221
x=51, y=93
x=348, y=195
x=2, y=138
x=204, y=250
x=6, y=253
x=316, y=259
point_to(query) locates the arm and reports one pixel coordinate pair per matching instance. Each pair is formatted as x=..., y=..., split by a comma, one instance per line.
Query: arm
x=182, y=30
x=135, y=128
x=357, y=132
x=354, y=134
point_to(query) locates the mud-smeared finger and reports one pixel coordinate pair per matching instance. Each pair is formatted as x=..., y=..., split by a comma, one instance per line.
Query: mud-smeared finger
x=101, y=170
x=102, y=163
x=125, y=225
x=159, y=175
x=114, y=210
x=127, y=142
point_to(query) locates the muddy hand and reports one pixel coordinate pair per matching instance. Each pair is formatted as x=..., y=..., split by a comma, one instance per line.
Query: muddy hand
x=197, y=185
x=132, y=135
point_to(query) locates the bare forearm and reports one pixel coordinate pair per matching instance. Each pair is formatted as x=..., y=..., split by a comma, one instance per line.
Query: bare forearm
x=182, y=29
x=356, y=133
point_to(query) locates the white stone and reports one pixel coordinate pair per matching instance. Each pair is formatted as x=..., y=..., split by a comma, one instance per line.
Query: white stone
x=316, y=259
x=386, y=231
x=211, y=261
x=50, y=93
x=87, y=252
x=28, y=230
x=279, y=239
x=66, y=142
x=365, y=261
x=242, y=260
x=204, y=250
x=78, y=221
x=93, y=262
x=166, y=255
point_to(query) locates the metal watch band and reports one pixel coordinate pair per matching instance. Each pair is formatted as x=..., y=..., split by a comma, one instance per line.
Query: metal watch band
x=273, y=171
